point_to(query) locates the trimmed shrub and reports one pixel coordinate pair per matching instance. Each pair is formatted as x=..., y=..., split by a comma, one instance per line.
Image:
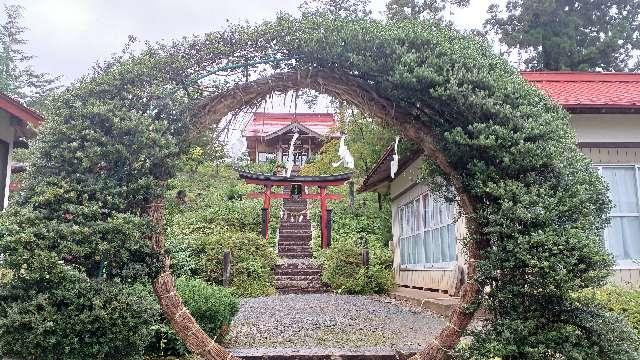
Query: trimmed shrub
x=344, y=272
x=75, y=242
x=76, y=319
x=213, y=308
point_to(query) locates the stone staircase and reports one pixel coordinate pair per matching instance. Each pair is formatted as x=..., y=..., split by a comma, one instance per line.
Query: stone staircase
x=296, y=272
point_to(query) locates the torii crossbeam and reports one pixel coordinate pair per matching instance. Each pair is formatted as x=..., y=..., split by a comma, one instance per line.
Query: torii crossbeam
x=321, y=182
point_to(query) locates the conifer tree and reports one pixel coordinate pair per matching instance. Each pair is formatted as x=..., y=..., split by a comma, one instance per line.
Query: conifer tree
x=569, y=34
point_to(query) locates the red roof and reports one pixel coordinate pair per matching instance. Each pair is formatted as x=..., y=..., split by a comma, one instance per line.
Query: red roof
x=15, y=108
x=575, y=89
x=264, y=124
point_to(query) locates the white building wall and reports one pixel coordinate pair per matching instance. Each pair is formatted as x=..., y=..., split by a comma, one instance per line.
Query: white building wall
x=7, y=133
x=606, y=127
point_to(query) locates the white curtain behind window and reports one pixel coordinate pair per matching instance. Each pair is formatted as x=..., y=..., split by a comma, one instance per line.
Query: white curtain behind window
x=623, y=234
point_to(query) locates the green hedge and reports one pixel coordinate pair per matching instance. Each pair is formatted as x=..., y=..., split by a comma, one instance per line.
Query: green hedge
x=344, y=272
x=77, y=319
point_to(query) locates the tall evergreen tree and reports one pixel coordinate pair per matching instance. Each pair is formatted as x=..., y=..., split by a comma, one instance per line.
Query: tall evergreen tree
x=344, y=8
x=569, y=34
x=417, y=9
x=17, y=76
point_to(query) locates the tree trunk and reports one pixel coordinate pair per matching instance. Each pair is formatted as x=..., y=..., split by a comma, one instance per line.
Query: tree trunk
x=164, y=287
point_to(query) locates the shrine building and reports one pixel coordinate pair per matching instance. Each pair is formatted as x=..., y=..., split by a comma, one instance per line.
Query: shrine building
x=268, y=135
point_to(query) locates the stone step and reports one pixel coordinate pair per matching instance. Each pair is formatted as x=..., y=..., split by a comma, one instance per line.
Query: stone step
x=321, y=354
x=294, y=238
x=298, y=233
x=297, y=240
x=299, y=284
x=282, y=245
x=298, y=273
x=308, y=255
x=303, y=291
x=288, y=237
x=308, y=278
x=295, y=226
x=288, y=230
x=294, y=249
x=299, y=264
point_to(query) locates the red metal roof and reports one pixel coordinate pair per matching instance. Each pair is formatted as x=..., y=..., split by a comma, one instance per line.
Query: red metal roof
x=15, y=108
x=264, y=124
x=575, y=89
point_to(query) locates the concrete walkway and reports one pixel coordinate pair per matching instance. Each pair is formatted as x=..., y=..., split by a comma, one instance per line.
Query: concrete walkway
x=329, y=323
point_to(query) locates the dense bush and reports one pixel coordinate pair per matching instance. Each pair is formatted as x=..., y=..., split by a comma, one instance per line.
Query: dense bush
x=212, y=306
x=75, y=240
x=363, y=225
x=624, y=302
x=355, y=228
x=344, y=272
x=75, y=318
x=219, y=217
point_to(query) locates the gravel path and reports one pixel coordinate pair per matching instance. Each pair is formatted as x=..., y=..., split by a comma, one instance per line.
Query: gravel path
x=329, y=321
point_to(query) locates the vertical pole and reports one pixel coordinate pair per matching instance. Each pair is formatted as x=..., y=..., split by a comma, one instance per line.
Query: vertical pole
x=379, y=202
x=365, y=257
x=266, y=211
x=265, y=223
x=329, y=226
x=352, y=193
x=323, y=216
x=226, y=268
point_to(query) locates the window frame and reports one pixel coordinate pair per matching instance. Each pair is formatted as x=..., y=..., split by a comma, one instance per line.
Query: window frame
x=421, y=229
x=630, y=264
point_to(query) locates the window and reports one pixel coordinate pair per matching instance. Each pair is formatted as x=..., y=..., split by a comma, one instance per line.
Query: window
x=622, y=236
x=427, y=233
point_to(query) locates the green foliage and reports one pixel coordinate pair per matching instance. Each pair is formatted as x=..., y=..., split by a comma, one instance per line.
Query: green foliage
x=77, y=318
x=75, y=241
x=538, y=207
x=362, y=226
x=219, y=217
x=570, y=34
x=321, y=163
x=417, y=9
x=17, y=78
x=345, y=8
x=624, y=302
x=344, y=272
x=583, y=332
x=213, y=308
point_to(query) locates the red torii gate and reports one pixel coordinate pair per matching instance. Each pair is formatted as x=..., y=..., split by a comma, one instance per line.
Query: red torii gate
x=322, y=182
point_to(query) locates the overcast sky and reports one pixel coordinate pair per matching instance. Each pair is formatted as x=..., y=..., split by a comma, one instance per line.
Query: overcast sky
x=68, y=36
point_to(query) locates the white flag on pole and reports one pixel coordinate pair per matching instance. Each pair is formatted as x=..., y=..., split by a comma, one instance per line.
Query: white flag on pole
x=290, y=157
x=345, y=155
x=394, y=162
